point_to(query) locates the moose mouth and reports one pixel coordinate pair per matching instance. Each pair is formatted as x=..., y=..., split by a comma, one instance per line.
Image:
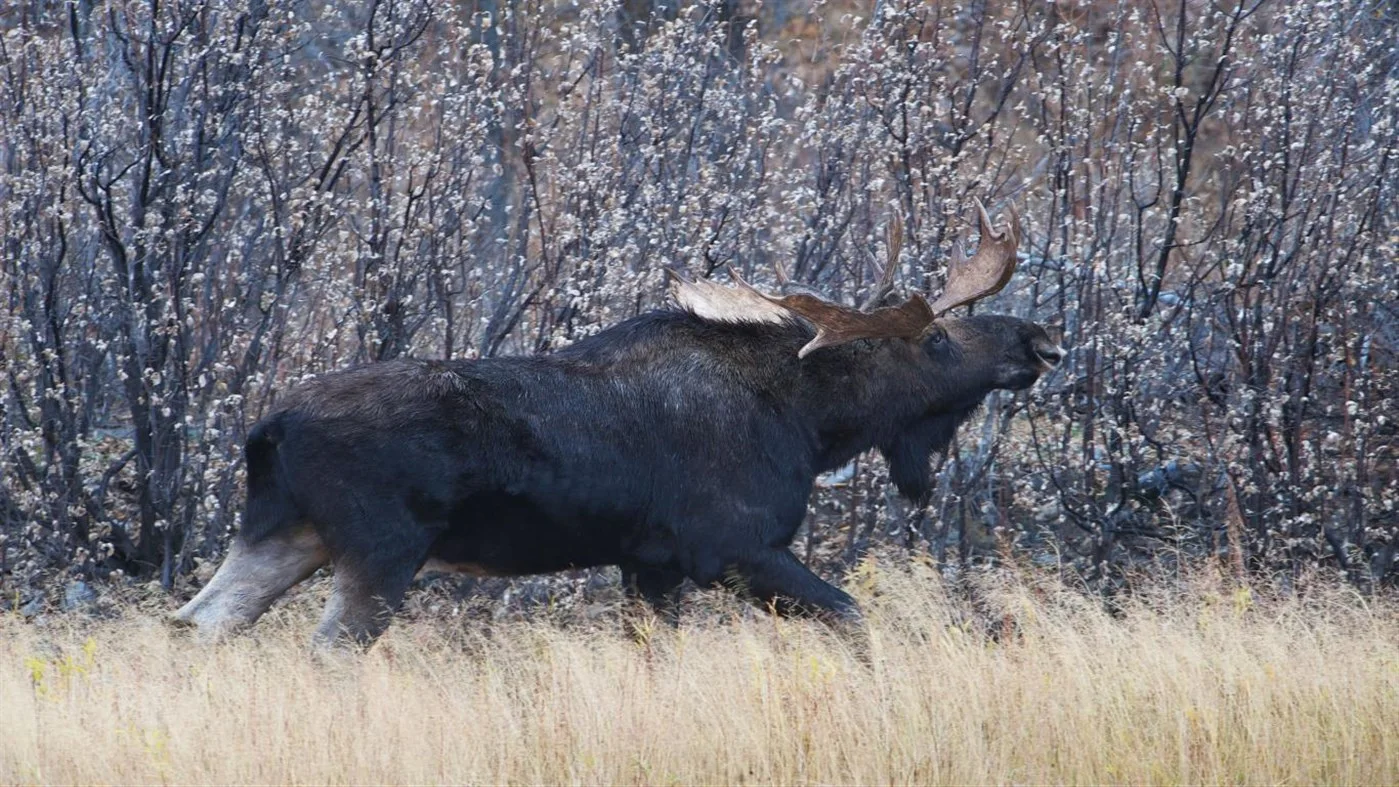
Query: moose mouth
x=1049, y=357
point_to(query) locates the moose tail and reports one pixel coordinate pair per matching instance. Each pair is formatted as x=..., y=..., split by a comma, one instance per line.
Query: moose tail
x=270, y=504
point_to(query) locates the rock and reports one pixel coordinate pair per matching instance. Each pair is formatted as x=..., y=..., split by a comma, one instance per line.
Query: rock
x=78, y=594
x=1155, y=483
x=32, y=607
x=600, y=582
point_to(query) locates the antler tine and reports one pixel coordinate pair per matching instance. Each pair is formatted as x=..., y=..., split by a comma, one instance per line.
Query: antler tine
x=987, y=271
x=893, y=244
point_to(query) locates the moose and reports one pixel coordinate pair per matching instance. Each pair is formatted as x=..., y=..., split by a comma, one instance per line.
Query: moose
x=682, y=443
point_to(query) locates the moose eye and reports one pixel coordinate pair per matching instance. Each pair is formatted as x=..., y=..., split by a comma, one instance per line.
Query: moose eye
x=936, y=335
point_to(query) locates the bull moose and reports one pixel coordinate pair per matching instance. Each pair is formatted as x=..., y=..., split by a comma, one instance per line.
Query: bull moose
x=681, y=443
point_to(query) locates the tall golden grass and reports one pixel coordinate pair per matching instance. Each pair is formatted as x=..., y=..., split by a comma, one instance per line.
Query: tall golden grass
x=1207, y=685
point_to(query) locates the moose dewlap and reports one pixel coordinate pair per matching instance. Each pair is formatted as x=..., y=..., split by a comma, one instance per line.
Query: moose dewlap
x=681, y=443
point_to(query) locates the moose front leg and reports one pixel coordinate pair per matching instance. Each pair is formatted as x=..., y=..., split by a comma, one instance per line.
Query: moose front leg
x=372, y=575
x=658, y=585
x=775, y=576
x=360, y=606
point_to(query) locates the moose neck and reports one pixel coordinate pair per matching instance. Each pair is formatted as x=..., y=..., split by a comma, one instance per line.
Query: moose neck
x=861, y=396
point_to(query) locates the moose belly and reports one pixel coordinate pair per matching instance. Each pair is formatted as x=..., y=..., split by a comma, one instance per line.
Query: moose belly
x=507, y=535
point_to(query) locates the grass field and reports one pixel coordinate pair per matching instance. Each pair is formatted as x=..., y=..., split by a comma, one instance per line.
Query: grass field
x=1204, y=685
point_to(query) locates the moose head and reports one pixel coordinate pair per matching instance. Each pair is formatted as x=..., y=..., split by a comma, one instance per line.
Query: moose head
x=930, y=368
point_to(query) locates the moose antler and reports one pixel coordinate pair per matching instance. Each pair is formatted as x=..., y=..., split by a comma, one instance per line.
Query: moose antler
x=968, y=280
x=837, y=324
x=987, y=271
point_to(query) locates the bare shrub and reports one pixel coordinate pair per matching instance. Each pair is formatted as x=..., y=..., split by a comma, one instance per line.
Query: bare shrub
x=203, y=201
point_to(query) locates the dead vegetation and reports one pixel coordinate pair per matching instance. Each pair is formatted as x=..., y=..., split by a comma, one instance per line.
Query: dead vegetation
x=1003, y=680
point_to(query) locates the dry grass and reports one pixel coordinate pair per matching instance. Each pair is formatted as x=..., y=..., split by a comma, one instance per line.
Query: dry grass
x=1204, y=686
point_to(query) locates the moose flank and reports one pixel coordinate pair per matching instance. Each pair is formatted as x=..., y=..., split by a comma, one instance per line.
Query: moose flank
x=681, y=443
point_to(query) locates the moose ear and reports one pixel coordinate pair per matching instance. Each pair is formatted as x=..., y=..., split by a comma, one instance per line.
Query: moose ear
x=890, y=298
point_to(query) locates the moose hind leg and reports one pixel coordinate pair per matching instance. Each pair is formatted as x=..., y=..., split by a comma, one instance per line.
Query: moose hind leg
x=775, y=576
x=252, y=576
x=368, y=588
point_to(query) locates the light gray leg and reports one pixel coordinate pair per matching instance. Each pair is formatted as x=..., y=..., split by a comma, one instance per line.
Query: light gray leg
x=251, y=577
